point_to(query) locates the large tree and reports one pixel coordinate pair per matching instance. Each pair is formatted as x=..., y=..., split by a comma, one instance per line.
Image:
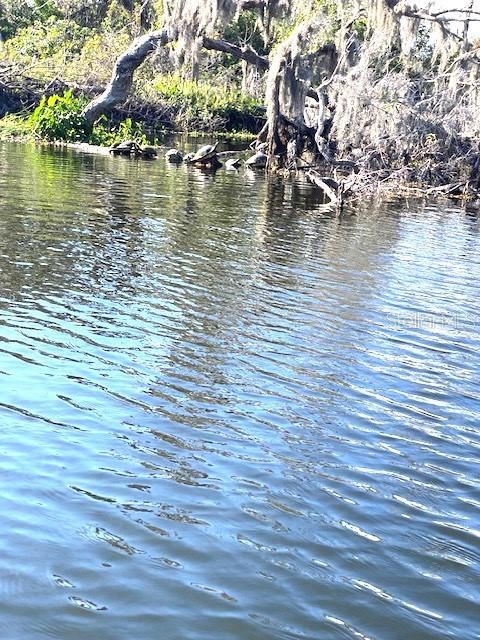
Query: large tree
x=348, y=77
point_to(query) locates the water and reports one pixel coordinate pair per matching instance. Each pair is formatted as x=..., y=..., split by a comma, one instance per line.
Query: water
x=227, y=413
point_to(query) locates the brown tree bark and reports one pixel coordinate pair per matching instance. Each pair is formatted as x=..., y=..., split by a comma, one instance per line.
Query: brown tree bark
x=241, y=53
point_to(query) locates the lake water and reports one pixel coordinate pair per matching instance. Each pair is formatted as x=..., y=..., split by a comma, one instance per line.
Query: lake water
x=228, y=413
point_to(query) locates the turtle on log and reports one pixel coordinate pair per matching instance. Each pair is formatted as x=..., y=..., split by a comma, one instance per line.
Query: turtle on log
x=174, y=156
x=125, y=148
x=206, y=156
x=148, y=151
x=257, y=161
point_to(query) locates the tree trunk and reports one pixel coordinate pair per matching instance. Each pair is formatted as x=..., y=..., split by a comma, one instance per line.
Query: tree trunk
x=120, y=84
x=122, y=78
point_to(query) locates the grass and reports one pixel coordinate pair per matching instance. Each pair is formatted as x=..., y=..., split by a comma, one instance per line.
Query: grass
x=206, y=107
x=15, y=126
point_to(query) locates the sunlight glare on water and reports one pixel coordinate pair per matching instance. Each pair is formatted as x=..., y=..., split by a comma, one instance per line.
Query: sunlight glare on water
x=228, y=413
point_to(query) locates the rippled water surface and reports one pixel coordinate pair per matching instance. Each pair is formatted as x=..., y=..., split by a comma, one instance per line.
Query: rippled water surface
x=227, y=413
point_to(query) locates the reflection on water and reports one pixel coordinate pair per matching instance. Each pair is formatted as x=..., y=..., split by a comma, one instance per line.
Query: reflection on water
x=227, y=413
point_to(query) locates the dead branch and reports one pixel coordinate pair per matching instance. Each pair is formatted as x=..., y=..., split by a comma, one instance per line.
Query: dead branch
x=326, y=184
x=241, y=53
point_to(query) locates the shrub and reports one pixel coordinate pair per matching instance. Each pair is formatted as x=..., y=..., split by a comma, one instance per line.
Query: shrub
x=59, y=118
x=206, y=106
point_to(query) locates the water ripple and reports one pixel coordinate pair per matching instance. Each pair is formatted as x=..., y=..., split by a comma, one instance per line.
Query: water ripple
x=228, y=413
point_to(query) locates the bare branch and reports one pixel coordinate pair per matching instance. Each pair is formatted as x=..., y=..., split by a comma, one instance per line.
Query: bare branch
x=445, y=11
x=434, y=18
x=242, y=53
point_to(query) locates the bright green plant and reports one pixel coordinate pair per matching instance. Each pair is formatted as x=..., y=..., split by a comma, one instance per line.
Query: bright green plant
x=59, y=118
x=104, y=134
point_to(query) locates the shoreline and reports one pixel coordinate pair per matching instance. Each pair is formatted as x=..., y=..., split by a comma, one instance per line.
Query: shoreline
x=457, y=191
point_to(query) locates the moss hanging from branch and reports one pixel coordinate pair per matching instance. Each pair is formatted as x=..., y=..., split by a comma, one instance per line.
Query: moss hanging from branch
x=193, y=19
x=297, y=61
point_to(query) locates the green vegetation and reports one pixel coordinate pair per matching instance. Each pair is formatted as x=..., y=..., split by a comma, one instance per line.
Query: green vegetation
x=57, y=47
x=198, y=108
x=78, y=42
x=59, y=118
x=201, y=105
x=245, y=29
x=15, y=125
